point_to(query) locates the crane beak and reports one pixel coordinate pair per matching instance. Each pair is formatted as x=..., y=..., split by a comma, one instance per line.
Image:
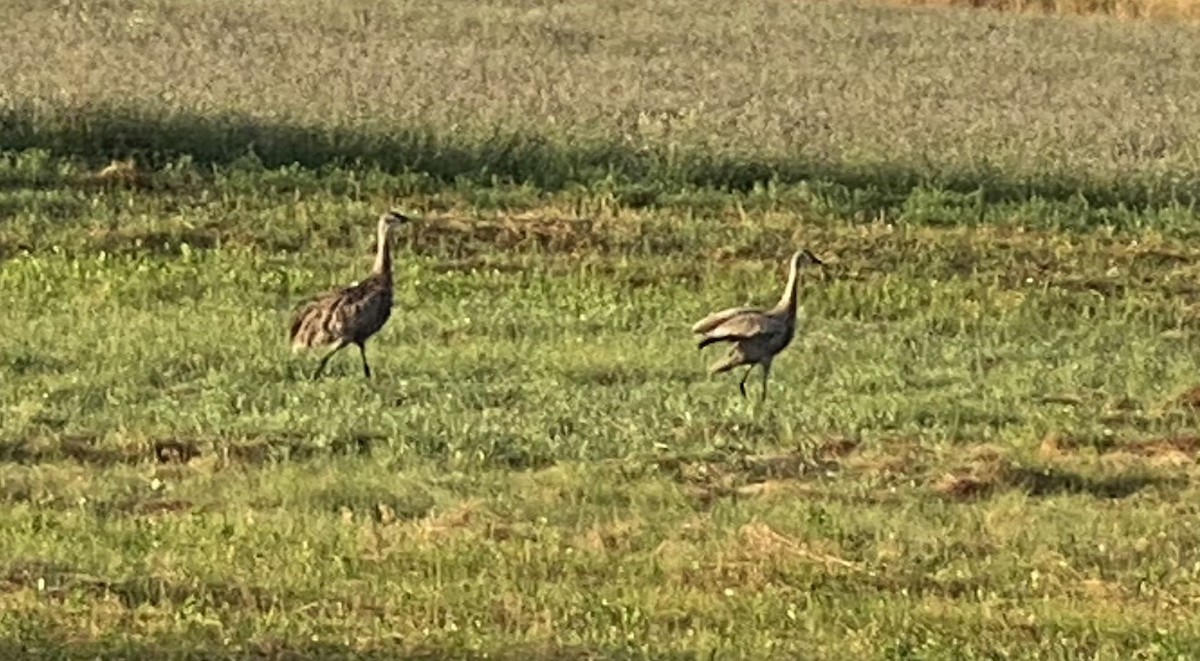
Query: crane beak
x=397, y=218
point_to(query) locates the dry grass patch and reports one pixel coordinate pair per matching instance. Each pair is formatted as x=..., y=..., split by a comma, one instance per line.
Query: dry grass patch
x=1056, y=447
x=118, y=173
x=759, y=542
x=609, y=536
x=891, y=461
x=708, y=479
x=381, y=533
x=835, y=448
x=1188, y=445
x=1172, y=452
x=963, y=486
x=467, y=519
x=767, y=489
x=1169, y=451
x=1159, y=10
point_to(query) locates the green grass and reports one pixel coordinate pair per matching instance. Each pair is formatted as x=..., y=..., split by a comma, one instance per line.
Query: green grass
x=977, y=448
x=541, y=467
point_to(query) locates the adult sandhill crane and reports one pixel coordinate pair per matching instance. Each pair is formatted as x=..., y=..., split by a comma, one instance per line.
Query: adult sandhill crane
x=353, y=314
x=757, y=335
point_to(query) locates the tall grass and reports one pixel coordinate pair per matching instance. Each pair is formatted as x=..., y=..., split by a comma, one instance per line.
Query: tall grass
x=681, y=94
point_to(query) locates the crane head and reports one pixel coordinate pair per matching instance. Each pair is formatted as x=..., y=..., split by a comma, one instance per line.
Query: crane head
x=804, y=257
x=393, y=218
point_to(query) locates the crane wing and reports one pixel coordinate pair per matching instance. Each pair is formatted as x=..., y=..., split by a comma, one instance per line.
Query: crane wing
x=339, y=313
x=742, y=327
x=310, y=321
x=717, y=318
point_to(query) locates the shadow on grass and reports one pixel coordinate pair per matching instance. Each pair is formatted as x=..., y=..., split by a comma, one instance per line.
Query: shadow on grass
x=1041, y=482
x=1054, y=481
x=102, y=133
x=91, y=450
x=504, y=451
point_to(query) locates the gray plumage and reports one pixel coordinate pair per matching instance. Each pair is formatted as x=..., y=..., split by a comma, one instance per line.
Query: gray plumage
x=350, y=315
x=757, y=335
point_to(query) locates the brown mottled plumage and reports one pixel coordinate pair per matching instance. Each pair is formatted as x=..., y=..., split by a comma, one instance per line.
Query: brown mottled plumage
x=352, y=314
x=757, y=335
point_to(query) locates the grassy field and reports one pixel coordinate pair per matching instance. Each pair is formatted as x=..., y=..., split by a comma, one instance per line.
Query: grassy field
x=983, y=444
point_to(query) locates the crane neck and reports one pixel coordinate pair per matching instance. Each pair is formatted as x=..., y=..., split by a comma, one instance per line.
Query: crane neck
x=787, y=302
x=383, y=253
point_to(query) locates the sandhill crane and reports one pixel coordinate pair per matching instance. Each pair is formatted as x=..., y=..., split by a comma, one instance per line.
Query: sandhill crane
x=353, y=314
x=757, y=335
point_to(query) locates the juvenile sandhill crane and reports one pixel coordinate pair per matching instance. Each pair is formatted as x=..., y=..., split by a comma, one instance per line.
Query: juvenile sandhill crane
x=757, y=335
x=353, y=314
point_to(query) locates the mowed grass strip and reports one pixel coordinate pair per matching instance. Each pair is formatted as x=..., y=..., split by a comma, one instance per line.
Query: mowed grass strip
x=982, y=443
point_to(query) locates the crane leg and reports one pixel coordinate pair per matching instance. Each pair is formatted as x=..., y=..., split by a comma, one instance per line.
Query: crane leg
x=362, y=351
x=325, y=359
x=766, y=372
x=745, y=375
